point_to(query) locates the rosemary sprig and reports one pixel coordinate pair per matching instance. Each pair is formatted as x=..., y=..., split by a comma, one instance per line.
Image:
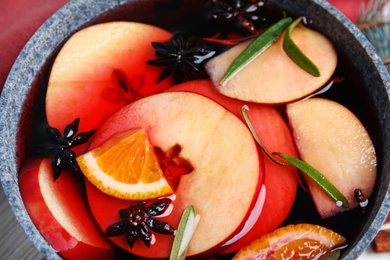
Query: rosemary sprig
x=307, y=169
x=292, y=50
x=318, y=177
x=183, y=234
x=260, y=44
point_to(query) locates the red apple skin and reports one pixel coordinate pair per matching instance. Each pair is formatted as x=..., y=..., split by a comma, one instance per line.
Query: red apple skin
x=105, y=208
x=93, y=68
x=69, y=195
x=280, y=182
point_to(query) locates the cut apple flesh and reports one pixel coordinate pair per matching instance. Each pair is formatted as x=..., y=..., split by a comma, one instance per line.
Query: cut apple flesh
x=331, y=138
x=228, y=170
x=106, y=62
x=272, y=77
x=60, y=212
x=101, y=69
x=280, y=182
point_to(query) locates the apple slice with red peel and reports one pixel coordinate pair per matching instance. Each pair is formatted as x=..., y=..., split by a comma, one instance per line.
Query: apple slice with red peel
x=60, y=212
x=101, y=69
x=105, y=211
x=272, y=77
x=227, y=167
x=280, y=182
x=331, y=138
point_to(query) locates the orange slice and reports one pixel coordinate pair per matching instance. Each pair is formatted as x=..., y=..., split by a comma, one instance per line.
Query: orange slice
x=302, y=241
x=126, y=167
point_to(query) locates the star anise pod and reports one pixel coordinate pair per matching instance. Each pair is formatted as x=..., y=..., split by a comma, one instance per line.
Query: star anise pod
x=183, y=56
x=60, y=150
x=244, y=12
x=138, y=221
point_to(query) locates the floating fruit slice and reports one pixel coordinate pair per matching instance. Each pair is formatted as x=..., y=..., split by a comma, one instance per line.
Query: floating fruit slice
x=302, y=241
x=224, y=185
x=125, y=167
x=280, y=182
x=272, y=77
x=101, y=69
x=61, y=213
x=333, y=140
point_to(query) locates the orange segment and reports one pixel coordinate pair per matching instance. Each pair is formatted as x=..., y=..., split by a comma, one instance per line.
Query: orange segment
x=303, y=249
x=302, y=241
x=126, y=167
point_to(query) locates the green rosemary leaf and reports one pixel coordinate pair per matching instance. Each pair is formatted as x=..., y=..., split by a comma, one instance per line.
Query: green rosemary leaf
x=318, y=177
x=301, y=165
x=261, y=43
x=183, y=234
x=256, y=137
x=295, y=54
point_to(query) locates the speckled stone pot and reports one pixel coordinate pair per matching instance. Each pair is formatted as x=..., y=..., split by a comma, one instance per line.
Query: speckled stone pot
x=371, y=86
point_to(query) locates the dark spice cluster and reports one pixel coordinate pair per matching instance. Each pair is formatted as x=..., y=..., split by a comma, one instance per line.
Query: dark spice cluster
x=138, y=221
x=244, y=13
x=60, y=150
x=182, y=56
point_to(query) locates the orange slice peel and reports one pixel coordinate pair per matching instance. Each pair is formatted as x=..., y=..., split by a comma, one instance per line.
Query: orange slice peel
x=301, y=241
x=126, y=167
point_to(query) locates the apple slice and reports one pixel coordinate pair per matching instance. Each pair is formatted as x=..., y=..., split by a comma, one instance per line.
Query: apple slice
x=331, y=138
x=60, y=212
x=227, y=168
x=280, y=182
x=101, y=69
x=272, y=77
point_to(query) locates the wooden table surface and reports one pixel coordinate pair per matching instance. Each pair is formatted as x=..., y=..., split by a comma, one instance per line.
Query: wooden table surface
x=14, y=244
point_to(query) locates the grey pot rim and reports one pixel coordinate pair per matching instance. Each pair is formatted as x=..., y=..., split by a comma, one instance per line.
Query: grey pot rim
x=62, y=24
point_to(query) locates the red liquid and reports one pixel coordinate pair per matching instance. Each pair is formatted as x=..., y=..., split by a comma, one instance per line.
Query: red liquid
x=303, y=210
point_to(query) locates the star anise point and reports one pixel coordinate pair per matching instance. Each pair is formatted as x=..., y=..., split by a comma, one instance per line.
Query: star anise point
x=63, y=157
x=244, y=12
x=182, y=56
x=139, y=220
